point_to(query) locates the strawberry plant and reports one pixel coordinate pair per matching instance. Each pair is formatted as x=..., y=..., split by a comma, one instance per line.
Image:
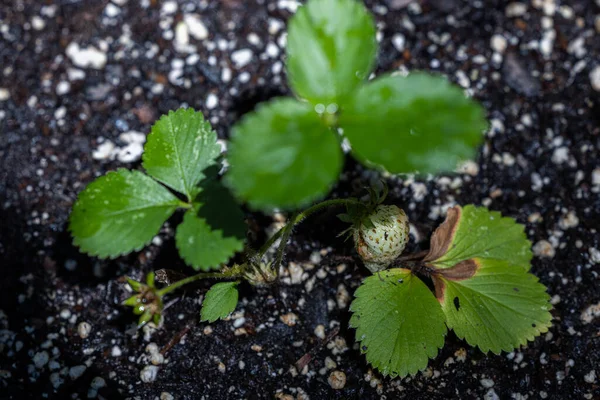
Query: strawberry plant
x=286, y=155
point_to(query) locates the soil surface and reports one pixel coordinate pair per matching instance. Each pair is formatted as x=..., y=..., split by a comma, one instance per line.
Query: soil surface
x=78, y=74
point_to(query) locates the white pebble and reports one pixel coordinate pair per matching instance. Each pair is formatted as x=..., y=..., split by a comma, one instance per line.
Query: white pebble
x=84, y=329
x=111, y=10
x=515, y=10
x=75, y=74
x=168, y=7
x=132, y=137
x=65, y=314
x=595, y=78
x=560, y=155
x=196, y=27
x=104, y=151
x=4, y=94
x=337, y=380
x=89, y=57
x=211, y=101
x=148, y=374
x=487, y=383
x=63, y=88
x=182, y=37
x=398, y=40
x=590, y=377
x=594, y=255
x=242, y=57
x=116, y=351
x=544, y=249
x=37, y=23
x=498, y=43
x=130, y=153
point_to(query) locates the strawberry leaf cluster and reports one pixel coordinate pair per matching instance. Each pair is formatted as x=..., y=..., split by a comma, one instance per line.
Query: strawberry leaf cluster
x=288, y=152
x=479, y=263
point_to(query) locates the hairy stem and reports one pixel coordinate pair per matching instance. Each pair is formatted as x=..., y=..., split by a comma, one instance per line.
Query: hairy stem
x=299, y=217
x=287, y=231
x=227, y=274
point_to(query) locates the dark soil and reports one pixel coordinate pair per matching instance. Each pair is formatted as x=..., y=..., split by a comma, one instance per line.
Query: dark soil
x=539, y=164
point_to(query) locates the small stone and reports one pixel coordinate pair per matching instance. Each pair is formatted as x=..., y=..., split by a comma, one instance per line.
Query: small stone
x=320, y=331
x=4, y=94
x=116, y=351
x=84, y=329
x=195, y=26
x=498, y=43
x=132, y=137
x=515, y=10
x=594, y=255
x=37, y=23
x=560, y=155
x=517, y=76
x=149, y=373
x=130, y=153
x=290, y=319
x=98, y=383
x=222, y=368
x=342, y=296
x=88, y=57
x=211, y=101
x=568, y=221
x=104, y=151
x=595, y=78
x=590, y=313
x=76, y=371
x=112, y=10
x=487, y=383
x=166, y=396
x=182, y=37
x=65, y=314
x=242, y=57
x=337, y=380
x=399, y=41
x=544, y=249
x=41, y=359
x=590, y=377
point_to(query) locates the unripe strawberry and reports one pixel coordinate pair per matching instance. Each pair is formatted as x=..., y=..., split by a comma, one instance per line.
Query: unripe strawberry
x=383, y=239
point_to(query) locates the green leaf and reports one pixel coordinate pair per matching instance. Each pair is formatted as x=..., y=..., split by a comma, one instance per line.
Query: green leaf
x=219, y=302
x=487, y=294
x=283, y=156
x=120, y=212
x=416, y=123
x=398, y=321
x=478, y=232
x=499, y=308
x=213, y=231
x=331, y=49
x=180, y=146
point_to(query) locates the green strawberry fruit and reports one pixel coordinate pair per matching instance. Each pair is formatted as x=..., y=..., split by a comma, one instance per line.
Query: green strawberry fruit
x=382, y=237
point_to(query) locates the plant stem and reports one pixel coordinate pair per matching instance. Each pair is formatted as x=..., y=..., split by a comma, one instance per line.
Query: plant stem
x=287, y=231
x=231, y=273
x=303, y=215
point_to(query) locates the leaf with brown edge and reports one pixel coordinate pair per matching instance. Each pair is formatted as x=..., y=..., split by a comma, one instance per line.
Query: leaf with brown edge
x=476, y=232
x=443, y=235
